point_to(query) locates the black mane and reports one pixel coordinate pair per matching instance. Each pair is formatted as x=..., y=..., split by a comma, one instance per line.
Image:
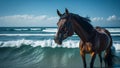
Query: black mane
x=84, y=22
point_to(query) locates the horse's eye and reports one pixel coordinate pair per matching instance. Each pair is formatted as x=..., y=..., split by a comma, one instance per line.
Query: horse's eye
x=64, y=29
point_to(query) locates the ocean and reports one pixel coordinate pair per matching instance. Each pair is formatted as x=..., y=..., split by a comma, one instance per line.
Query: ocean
x=34, y=47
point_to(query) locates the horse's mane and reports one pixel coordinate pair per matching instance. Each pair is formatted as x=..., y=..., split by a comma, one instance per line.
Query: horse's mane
x=84, y=22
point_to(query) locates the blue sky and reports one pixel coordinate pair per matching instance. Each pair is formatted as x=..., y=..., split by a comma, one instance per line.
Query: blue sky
x=39, y=13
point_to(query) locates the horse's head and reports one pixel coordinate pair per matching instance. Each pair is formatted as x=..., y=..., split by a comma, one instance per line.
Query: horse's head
x=65, y=28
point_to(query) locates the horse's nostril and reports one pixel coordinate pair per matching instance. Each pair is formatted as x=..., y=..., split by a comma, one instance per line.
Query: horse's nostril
x=65, y=35
x=58, y=40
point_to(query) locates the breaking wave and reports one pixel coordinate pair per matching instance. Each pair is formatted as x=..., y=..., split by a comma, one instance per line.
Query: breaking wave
x=47, y=43
x=41, y=43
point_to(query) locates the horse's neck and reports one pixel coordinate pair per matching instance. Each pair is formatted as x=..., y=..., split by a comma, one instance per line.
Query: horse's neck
x=80, y=31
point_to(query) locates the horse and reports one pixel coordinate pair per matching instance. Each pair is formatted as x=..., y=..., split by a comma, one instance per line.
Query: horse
x=93, y=40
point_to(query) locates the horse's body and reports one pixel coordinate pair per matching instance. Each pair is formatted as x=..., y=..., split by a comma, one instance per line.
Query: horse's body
x=96, y=43
x=100, y=42
x=93, y=40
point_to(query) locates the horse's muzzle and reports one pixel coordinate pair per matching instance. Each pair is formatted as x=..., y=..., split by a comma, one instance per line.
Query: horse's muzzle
x=58, y=40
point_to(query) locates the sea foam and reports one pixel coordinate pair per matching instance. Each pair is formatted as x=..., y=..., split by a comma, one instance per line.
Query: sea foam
x=27, y=34
x=50, y=30
x=47, y=43
x=113, y=29
x=42, y=43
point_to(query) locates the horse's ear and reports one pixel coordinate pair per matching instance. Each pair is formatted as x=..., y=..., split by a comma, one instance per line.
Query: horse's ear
x=66, y=11
x=58, y=12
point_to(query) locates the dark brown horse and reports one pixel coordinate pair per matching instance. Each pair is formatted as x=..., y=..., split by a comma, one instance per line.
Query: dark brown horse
x=93, y=40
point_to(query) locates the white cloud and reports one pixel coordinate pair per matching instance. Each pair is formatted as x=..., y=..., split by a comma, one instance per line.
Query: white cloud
x=28, y=20
x=95, y=19
x=113, y=18
x=44, y=20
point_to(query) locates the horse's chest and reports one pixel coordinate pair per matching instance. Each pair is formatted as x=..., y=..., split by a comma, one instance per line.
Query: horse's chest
x=86, y=47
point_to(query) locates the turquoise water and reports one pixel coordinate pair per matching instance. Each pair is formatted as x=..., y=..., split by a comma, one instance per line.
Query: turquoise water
x=34, y=47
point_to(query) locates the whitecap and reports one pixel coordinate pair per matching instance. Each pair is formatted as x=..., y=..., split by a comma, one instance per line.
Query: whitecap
x=27, y=34
x=50, y=30
x=113, y=29
x=47, y=43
